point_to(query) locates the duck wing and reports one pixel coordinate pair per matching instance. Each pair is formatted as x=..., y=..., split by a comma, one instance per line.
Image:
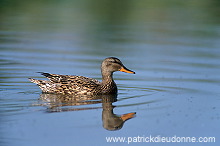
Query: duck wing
x=68, y=84
x=56, y=78
x=72, y=83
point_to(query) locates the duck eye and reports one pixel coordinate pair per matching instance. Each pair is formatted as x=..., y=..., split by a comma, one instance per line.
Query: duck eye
x=113, y=61
x=116, y=62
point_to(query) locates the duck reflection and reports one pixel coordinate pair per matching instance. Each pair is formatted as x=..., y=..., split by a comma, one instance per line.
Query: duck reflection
x=110, y=120
x=62, y=103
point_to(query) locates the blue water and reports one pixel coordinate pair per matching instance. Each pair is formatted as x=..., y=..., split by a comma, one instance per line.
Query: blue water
x=172, y=46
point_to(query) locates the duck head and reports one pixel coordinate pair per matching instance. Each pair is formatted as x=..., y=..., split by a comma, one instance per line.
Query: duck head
x=112, y=64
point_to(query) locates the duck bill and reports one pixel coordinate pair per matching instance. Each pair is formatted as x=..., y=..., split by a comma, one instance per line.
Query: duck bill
x=127, y=116
x=124, y=69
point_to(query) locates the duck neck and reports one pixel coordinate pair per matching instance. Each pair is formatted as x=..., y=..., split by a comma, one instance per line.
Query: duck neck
x=107, y=77
x=108, y=85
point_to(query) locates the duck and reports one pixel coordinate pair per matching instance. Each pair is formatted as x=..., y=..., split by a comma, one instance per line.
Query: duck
x=80, y=85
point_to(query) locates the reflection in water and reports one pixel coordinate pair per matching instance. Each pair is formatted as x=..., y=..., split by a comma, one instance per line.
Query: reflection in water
x=111, y=121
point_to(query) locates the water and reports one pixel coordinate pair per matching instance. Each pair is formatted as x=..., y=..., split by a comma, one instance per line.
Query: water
x=172, y=46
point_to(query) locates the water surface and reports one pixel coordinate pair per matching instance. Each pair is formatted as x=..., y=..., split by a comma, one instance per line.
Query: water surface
x=172, y=46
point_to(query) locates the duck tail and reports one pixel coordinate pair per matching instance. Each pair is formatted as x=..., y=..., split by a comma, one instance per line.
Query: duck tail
x=45, y=86
x=34, y=80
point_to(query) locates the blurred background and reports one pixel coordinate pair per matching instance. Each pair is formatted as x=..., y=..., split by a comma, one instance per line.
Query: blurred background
x=173, y=46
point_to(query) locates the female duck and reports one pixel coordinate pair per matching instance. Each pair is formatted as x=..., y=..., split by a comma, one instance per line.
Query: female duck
x=79, y=85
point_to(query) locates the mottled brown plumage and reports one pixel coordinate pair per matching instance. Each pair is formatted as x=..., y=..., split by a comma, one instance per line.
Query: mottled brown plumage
x=78, y=85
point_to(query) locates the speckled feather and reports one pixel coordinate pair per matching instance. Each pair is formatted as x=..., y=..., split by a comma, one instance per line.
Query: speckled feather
x=79, y=85
x=67, y=84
